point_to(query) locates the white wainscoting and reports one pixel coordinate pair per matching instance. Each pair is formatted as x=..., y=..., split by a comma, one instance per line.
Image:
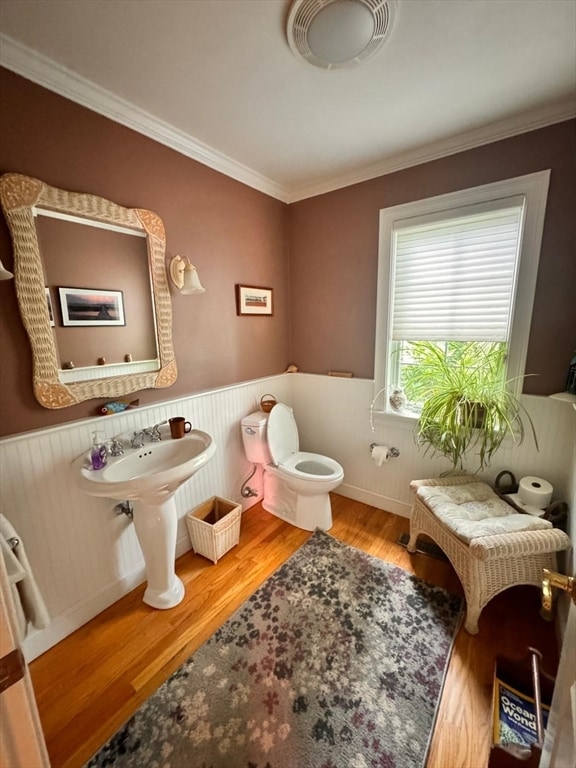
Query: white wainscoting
x=85, y=557
x=333, y=416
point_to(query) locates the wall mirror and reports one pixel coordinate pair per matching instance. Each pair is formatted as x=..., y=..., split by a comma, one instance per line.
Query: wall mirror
x=92, y=290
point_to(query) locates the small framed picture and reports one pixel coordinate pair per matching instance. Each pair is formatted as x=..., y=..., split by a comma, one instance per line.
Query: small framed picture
x=91, y=306
x=49, y=302
x=254, y=300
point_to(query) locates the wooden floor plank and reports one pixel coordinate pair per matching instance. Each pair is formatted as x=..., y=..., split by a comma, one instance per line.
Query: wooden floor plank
x=93, y=681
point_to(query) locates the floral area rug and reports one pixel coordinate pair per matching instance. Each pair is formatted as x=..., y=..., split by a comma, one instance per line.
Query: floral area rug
x=336, y=661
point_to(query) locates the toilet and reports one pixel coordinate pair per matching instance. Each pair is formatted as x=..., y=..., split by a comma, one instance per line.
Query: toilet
x=296, y=483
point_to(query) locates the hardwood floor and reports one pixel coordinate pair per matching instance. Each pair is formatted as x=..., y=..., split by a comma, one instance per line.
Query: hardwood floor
x=95, y=679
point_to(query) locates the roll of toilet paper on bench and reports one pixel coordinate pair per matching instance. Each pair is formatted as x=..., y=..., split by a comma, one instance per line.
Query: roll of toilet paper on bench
x=380, y=454
x=535, y=492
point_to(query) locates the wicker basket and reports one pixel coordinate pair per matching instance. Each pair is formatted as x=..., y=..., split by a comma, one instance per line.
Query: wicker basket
x=214, y=527
x=267, y=402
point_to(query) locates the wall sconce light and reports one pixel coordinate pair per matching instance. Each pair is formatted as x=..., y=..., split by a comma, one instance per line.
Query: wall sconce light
x=184, y=276
x=4, y=273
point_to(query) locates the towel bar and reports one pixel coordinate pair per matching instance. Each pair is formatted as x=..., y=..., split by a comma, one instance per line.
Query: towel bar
x=13, y=542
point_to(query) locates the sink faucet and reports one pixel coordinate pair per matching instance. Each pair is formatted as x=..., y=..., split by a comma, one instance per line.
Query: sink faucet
x=154, y=432
x=137, y=439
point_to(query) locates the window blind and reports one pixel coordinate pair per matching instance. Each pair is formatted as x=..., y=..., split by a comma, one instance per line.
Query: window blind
x=453, y=278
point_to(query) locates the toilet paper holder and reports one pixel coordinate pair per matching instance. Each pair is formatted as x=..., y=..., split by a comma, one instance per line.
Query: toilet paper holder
x=393, y=453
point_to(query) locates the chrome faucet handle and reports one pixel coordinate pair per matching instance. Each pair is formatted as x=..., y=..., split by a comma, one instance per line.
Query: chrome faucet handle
x=152, y=433
x=137, y=440
x=155, y=434
x=115, y=447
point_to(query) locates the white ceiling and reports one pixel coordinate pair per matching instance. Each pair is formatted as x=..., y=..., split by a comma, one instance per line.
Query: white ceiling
x=217, y=80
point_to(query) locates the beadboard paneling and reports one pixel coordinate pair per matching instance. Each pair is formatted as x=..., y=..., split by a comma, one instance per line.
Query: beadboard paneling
x=333, y=416
x=85, y=557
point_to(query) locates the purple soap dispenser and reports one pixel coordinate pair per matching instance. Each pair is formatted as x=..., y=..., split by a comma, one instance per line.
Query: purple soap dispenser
x=98, y=453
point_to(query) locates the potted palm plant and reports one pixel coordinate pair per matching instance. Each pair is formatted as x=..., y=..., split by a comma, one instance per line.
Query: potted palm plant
x=468, y=405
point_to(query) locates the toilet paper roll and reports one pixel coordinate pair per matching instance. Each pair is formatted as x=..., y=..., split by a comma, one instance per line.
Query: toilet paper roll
x=380, y=454
x=535, y=492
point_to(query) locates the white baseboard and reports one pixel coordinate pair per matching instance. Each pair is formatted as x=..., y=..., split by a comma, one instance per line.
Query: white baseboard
x=250, y=501
x=374, y=500
x=39, y=641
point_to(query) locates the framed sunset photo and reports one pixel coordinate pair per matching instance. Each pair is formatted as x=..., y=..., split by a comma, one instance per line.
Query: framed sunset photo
x=91, y=306
x=254, y=300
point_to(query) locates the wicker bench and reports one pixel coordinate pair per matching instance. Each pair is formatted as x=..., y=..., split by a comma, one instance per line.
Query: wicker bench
x=485, y=564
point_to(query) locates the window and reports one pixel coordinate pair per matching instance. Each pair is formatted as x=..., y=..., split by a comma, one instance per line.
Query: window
x=454, y=271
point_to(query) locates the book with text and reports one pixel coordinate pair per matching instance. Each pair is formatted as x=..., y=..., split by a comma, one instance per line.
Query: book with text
x=515, y=716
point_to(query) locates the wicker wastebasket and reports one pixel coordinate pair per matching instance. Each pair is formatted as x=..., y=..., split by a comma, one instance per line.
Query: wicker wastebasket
x=214, y=527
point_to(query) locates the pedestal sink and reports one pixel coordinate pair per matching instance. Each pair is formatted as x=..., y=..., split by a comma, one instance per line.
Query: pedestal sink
x=150, y=476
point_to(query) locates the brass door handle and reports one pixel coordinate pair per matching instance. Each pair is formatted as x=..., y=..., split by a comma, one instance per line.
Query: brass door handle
x=551, y=579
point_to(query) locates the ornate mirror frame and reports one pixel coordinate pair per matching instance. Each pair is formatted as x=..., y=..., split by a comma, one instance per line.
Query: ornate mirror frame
x=18, y=196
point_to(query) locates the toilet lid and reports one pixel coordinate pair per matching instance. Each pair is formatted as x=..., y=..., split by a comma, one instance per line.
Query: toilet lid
x=282, y=433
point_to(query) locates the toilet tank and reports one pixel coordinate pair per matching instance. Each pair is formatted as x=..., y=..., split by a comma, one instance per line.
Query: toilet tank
x=254, y=438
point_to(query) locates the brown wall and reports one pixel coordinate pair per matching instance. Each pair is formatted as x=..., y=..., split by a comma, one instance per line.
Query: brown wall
x=232, y=233
x=334, y=255
x=325, y=292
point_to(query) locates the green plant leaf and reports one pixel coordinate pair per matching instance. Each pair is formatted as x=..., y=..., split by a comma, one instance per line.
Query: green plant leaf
x=468, y=405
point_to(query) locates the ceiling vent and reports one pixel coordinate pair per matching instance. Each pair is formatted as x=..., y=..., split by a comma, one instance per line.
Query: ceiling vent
x=337, y=34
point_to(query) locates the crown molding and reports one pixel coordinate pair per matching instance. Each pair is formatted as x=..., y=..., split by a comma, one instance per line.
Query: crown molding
x=503, y=129
x=45, y=72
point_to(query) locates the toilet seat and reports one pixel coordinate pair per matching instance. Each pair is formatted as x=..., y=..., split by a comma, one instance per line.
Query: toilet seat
x=283, y=444
x=312, y=466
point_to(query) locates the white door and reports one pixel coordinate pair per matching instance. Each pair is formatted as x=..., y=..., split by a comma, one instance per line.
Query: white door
x=21, y=738
x=560, y=741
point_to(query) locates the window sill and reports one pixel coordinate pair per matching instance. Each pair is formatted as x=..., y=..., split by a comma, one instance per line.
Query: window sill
x=399, y=420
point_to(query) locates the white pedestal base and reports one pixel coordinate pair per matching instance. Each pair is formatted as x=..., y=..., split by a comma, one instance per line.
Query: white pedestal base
x=156, y=528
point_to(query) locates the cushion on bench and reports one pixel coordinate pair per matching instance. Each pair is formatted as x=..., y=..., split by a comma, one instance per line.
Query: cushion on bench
x=474, y=510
